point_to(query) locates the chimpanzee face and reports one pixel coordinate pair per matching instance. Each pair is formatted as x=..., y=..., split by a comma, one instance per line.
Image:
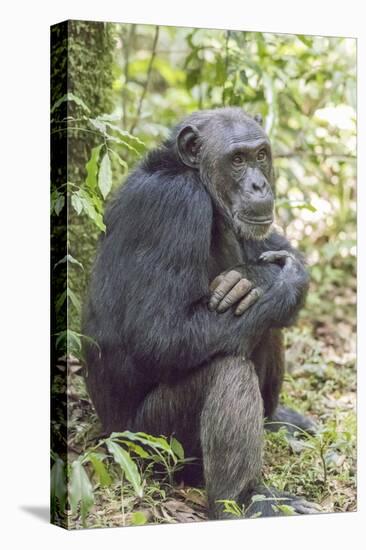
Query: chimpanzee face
x=233, y=155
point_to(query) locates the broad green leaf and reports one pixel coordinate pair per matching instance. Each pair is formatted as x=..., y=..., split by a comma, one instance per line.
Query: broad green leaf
x=122, y=163
x=100, y=469
x=177, y=448
x=99, y=125
x=92, y=167
x=127, y=464
x=58, y=204
x=90, y=210
x=136, y=449
x=125, y=143
x=127, y=137
x=80, y=490
x=77, y=203
x=105, y=176
x=138, y=518
x=58, y=486
x=74, y=299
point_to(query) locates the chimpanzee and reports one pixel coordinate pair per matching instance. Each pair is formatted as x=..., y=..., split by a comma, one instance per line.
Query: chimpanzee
x=189, y=293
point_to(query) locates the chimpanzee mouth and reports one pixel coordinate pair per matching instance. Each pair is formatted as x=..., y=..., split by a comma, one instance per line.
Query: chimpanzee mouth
x=256, y=221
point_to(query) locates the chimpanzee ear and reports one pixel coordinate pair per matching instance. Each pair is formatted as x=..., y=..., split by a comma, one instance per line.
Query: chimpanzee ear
x=189, y=146
x=258, y=118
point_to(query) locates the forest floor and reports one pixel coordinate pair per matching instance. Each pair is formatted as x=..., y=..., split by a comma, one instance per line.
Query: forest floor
x=320, y=382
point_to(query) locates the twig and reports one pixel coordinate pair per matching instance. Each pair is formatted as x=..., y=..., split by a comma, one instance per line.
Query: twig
x=126, y=75
x=123, y=502
x=322, y=457
x=153, y=54
x=226, y=65
x=301, y=152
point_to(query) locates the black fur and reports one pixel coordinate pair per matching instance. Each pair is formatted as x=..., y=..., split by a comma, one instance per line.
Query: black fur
x=165, y=363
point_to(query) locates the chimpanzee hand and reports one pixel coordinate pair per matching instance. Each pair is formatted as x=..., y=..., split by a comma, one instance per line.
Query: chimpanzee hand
x=283, y=257
x=228, y=289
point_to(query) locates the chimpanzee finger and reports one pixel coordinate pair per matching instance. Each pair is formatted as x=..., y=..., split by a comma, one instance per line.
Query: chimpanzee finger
x=280, y=256
x=215, y=283
x=248, y=300
x=238, y=291
x=229, y=280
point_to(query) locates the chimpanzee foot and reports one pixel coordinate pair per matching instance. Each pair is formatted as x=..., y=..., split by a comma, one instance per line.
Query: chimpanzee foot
x=293, y=421
x=269, y=502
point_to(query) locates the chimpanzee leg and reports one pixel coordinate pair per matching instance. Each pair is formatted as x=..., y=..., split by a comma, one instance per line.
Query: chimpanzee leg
x=232, y=433
x=269, y=361
x=217, y=414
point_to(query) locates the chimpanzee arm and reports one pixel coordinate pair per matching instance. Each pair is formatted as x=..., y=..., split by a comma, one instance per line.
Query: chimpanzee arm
x=151, y=282
x=237, y=287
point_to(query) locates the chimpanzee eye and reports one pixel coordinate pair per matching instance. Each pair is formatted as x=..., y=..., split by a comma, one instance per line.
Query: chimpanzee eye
x=238, y=159
x=262, y=155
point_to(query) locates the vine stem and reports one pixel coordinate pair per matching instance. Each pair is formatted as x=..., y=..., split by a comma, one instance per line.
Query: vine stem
x=149, y=70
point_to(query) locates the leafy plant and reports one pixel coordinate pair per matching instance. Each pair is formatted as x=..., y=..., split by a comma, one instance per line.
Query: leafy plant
x=125, y=450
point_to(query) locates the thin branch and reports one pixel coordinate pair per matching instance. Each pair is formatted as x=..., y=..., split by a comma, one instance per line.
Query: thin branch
x=226, y=65
x=127, y=43
x=301, y=152
x=67, y=128
x=149, y=70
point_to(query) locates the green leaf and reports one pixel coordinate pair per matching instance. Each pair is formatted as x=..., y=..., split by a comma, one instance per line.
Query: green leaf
x=74, y=299
x=99, y=125
x=92, y=167
x=125, y=144
x=57, y=204
x=70, y=259
x=152, y=441
x=60, y=301
x=138, y=518
x=122, y=163
x=127, y=464
x=105, y=176
x=126, y=136
x=90, y=210
x=136, y=449
x=73, y=341
x=80, y=490
x=69, y=339
x=284, y=508
x=70, y=97
x=100, y=469
x=77, y=203
x=58, y=487
x=177, y=448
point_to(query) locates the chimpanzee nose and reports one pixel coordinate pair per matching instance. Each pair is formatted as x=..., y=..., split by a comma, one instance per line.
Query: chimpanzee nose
x=258, y=186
